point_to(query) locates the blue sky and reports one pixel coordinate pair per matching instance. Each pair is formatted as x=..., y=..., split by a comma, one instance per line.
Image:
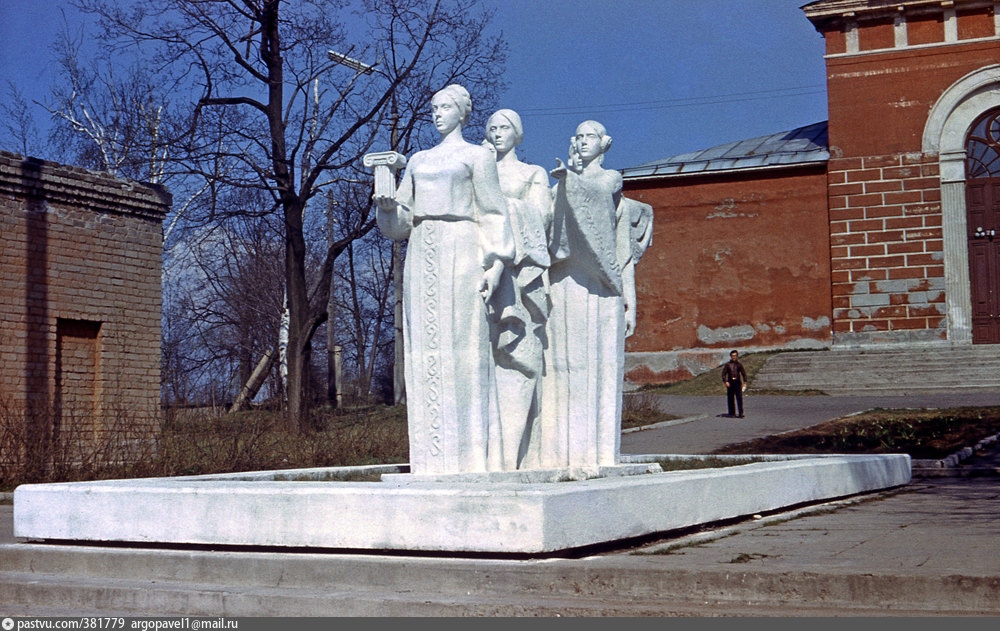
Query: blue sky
x=664, y=76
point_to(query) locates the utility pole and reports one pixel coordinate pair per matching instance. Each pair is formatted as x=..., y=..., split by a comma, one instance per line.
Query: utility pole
x=334, y=392
x=398, y=383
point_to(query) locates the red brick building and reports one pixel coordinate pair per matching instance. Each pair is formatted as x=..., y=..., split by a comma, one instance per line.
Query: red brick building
x=79, y=310
x=888, y=239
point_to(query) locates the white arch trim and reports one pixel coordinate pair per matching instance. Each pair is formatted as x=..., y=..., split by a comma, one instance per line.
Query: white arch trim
x=945, y=134
x=953, y=114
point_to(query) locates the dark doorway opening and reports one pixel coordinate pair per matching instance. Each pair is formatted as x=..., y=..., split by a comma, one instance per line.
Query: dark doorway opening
x=982, y=203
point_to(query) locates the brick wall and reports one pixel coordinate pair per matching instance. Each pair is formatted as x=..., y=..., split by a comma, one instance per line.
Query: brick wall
x=887, y=67
x=737, y=261
x=79, y=303
x=879, y=102
x=886, y=247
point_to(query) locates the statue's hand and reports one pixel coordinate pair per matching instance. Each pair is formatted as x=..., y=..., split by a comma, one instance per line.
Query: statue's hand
x=385, y=202
x=491, y=278
x=559, y=172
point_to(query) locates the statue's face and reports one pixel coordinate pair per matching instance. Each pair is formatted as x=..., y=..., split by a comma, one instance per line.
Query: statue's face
x=500, y=134
x=445, y=113
x=588, y=142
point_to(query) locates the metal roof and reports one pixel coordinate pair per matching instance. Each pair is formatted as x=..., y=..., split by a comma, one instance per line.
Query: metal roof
x=804, y=145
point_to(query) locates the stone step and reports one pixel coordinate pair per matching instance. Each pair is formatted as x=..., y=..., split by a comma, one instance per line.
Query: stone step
x=33, y=597
x=936, y=368
x=896, y=391
x=927, y=362
x=929, y=366
x=825, y=374
x=227, y=584
x=151, y=597
x=876, y=371
x=986, y=352
x=868, y=376
x=883, y=373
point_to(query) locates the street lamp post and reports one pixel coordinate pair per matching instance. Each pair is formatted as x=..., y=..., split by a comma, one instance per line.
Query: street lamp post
x=333, y=351
x=398, y=383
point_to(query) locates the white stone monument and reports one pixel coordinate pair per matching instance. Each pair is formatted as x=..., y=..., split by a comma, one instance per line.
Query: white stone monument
x=516, y=301
x=592, y=285
x=450, y=207
x=502, y=283
x=522, y=302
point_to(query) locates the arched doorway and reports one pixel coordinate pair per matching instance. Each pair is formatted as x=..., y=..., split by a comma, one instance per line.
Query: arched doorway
x=946, y=133
x=982, y=203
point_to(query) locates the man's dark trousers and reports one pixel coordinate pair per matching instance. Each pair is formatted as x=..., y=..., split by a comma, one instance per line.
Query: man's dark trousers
x=734, y=397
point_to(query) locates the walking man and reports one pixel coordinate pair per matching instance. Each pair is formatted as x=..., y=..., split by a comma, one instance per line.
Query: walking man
x=735, y=379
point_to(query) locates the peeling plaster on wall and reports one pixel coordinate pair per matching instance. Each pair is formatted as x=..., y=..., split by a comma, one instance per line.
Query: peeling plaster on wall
x=671, y=366
x=727, y=209
x=818, y=324
x=725, y=334
x=728, y=205
x=722, y=254
x=903, y=103
x=729, y=215
x=765, y=327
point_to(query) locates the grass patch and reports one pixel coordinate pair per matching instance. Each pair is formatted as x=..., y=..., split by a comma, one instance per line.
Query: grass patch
x=922, y=433
x=706, y=462
x=254, y=441
x=198, y=443
x=641, y=409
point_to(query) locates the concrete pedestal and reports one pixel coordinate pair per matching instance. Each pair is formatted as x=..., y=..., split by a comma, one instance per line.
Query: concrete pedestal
x=336, y=508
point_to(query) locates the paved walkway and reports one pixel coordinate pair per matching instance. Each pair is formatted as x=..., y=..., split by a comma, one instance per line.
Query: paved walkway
x=765, y=416
x=931, y=547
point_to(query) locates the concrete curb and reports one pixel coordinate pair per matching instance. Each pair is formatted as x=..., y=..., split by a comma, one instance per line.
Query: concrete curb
x=949, y=464
x=173, y=582
x=678, y=421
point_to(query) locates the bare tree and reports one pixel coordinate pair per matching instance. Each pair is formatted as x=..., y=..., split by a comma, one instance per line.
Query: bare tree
x=228, y=300
x=19, y=123
x=108, y=117
x=302, y=120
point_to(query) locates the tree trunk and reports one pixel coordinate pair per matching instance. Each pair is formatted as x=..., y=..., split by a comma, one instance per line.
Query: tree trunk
x=298, y=314
x=256, y=380
x=359, y=336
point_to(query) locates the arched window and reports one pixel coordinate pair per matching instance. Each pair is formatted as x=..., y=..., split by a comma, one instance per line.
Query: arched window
x=982, y=149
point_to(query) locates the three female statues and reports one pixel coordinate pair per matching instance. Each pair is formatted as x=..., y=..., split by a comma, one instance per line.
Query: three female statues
x=517, y=298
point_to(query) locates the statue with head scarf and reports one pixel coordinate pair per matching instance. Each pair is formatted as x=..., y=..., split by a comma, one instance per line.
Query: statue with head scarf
x=450, y=207
x=521, y=300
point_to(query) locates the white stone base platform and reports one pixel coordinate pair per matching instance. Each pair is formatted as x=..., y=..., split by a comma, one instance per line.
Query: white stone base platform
x=351, y=508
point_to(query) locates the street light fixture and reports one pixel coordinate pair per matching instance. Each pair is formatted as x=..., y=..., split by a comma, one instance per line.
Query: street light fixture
x=353, y=64
x=399, y=389
x=334, y=384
